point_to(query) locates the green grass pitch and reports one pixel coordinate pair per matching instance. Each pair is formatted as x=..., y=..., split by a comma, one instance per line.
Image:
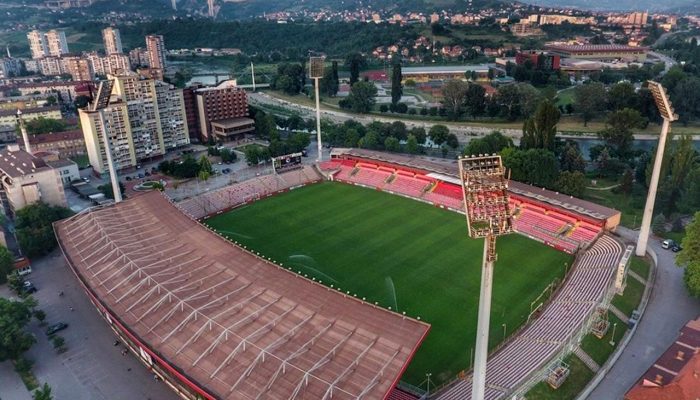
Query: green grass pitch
x=404, y=254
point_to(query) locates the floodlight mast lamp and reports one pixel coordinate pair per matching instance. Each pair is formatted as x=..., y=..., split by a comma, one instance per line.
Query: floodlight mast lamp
x=668, y=115
x=316, y=65
x=99, y=104
x=485, y=192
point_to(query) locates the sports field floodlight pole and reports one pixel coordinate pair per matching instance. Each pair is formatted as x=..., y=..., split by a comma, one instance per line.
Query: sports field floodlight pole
x=316, y=65
x=99, y=104
x=668, y=115
x=485, y=192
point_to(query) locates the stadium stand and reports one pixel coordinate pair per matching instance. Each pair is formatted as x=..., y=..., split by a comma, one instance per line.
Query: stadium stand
x=539, y=214
x=218, y=321
x=240, y=193
x=398, y=394
x=547, y=334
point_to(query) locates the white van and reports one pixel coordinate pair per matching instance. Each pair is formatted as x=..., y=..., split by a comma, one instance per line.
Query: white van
x=667, y=244
x=23, y=267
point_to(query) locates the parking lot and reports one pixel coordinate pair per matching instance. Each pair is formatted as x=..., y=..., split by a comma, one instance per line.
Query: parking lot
x=93, y=367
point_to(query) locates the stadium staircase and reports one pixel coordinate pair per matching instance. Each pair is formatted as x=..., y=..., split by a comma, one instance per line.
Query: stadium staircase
x=587, y=360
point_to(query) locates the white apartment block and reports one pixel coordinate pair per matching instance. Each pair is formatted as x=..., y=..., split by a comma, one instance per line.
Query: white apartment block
x=112, y=41
x=146, y=118
x=56, y=43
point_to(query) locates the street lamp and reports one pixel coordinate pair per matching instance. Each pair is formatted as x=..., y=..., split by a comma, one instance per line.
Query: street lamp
x=316, y=66
x=668, y=115
x=612, y=339
x=427, y=377
x=504, y=332
x=485, y=192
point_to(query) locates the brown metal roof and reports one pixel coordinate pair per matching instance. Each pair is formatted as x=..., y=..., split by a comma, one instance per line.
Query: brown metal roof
x=239, y=326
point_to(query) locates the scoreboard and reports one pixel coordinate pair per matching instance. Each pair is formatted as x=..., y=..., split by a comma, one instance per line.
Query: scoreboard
x=286, y=162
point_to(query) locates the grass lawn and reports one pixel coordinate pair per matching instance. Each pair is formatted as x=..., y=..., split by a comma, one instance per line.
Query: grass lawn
x=600, y=349
x=631, y=206
x=641, y=266
x=402, y=253
x=565, y=97
x=577, y=380
x=629, y=301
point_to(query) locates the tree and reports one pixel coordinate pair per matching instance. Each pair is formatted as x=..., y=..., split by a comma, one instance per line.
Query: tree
x=452, y=141
x=392, y=144
x=419, y=134
x=81, y=101
x=454, y=93
x=412, y=144
x=356, y=62
x=515, y=101
x=438, y=134
x=204, y=164
x=686, y=99
x=107, y=190
x=370, y=141
x=330, y=82
x=570, y=158
x=40, y=316
x=492, y=143
x=475, y=100
x=51, y=101
x=627, y=182
x=689, y=257
x=589, y=100
x=34, y=227
x=45, y=125
x=691, y=194
x=622, y=95
x=362, y=97
x=6, y=263
x=44, y=393
x=535, y=166
x=539, y=131
x=658, y=224
x=618, y=132
x=227, y=156
x=396, y=88
x=58, y=342
x=13, y=339
x=572, y=183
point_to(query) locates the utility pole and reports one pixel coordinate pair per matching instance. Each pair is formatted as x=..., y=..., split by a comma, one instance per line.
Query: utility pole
x=316, y=66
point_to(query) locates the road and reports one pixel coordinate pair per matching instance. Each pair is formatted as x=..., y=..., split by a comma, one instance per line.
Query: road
x=92, y=368
x=463, y=131
x=668, y=310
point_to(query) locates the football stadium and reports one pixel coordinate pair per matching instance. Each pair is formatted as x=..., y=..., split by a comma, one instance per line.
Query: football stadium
x=350, y=279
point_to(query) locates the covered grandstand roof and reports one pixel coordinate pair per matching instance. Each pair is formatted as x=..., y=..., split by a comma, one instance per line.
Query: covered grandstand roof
x=236, y=325
x=451, y=169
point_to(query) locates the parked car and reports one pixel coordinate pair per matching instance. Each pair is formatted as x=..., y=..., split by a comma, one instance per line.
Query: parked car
x=668, y=244
x=141, y=176
x=56, y=328
x=633, y=319
x=147, y=173
x=128, y=178
x=28, y=287
x=676, y=248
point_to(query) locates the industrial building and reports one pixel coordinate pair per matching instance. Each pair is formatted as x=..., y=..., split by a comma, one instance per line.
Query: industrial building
x=601, y=52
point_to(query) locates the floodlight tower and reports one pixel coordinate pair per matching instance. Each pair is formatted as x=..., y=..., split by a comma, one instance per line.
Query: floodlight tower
x=23, y=129
x=316, y=65
x=98, y=105
x=668, y=115
x=484, y=187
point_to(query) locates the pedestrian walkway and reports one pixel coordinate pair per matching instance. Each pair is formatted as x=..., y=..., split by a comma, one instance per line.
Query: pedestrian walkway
x=637, y=277
x=11, y=386
x=619, y=314
x=590, y=363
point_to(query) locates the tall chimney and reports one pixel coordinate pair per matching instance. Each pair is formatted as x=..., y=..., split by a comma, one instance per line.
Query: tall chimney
x=25, y=135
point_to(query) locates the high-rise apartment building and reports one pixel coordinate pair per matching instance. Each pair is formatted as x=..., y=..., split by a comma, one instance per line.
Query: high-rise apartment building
x=112, y=41
x=37, y=44
x=111, y=64
x=222, y=112
x=79, y=68
x=146, y=118
x=138, y=57
x=51, y=43
x=56, y=43
x=156, y=52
